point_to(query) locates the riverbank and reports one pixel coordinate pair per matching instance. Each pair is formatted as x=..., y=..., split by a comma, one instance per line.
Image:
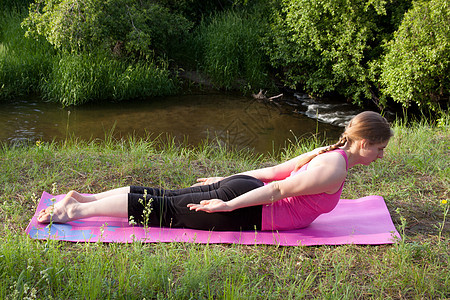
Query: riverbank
x=241, y=46
x=413, y=178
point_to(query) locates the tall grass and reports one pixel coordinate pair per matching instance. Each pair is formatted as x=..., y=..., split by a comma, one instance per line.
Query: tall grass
x=232, y=54
x=14, y=4
x=34, y=66
x=413, y=179
x=80, y=78
x=23, y=62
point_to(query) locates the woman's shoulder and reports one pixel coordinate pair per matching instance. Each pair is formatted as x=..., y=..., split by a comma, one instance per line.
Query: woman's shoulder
x=335, y=160
x=325, y=173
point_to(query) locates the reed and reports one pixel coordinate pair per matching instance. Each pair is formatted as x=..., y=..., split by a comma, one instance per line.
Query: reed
x=232, y=54
x=413, y=179
x=80, y=78
x=15, y=4
x=29, y=66
x=23, y=62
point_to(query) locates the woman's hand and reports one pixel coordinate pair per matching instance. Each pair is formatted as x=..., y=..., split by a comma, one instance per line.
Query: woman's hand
x=210, y=206
x=206, y=181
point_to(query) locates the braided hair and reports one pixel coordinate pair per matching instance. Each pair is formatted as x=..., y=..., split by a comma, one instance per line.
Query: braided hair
x=367, y=125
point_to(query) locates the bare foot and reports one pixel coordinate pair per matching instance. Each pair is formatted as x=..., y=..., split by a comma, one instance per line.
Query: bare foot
x=80, y=197
x=63, y=211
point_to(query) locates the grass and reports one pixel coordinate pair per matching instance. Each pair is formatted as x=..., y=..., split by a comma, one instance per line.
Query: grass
x=413, y=179
x=29, y=66
x=227, y=49
x=79, y=78
x=231, y=52
x=23, y=62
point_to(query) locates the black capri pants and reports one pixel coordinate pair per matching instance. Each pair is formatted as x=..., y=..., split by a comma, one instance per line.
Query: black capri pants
x=168, y=208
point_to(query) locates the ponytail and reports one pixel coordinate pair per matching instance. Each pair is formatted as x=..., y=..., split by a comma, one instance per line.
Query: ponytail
x=342, y=141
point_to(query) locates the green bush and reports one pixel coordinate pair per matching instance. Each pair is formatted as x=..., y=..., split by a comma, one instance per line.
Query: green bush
x=80, y=78
x=416, y=67
x=232, y=51
x=327, y=46
x=133, y=26
x=194, y=10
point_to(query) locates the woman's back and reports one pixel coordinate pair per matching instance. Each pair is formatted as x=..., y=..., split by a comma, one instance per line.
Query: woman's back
x=299, y=211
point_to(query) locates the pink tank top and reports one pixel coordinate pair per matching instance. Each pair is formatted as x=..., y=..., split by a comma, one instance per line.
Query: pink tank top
x=299, y=211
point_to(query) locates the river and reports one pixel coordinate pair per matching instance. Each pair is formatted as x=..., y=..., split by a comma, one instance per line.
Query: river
x=238, y=121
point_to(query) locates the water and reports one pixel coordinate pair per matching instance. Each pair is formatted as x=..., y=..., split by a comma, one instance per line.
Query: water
x=236, y=120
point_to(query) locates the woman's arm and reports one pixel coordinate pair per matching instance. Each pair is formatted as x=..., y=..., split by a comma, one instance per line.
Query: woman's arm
x=326, y=174
x=268, y=174
x=280, y=171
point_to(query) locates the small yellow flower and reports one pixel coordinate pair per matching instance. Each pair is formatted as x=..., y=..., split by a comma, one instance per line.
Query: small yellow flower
x=38, y=143
x=444, y=201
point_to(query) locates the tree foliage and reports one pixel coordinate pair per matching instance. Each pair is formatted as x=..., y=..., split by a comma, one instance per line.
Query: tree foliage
x=362, y=49
x=326, y=46
x=134, y=26
x=417, y=64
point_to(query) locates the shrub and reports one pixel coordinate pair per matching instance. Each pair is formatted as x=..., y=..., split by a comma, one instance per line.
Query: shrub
x=327, y=46
x=138, y=27
x=416, y=67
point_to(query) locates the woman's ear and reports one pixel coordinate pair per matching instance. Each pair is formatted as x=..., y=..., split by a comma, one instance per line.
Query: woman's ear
x=363, y=143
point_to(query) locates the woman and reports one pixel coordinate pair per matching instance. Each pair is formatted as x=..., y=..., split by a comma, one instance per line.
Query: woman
x=287, y=196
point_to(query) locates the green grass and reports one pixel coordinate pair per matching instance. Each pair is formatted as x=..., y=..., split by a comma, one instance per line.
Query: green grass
x=23, y=62
x=227, y=49
x=231, y=51
x=413, y=179
x=79, y=78
x=29, y=66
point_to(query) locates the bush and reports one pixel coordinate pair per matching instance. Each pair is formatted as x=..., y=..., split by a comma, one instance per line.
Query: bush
x=80, y=78
x=231, y=50
x=134, y=26
x=416, y=67
x=327, y=46
x=194, y=10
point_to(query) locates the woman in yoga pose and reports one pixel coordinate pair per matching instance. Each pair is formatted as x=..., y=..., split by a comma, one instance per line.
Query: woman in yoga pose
x=287, y=196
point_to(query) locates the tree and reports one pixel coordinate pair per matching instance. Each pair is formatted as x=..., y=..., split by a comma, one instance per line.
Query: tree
x=327, y=45
x=136, y=27
x=416, y=67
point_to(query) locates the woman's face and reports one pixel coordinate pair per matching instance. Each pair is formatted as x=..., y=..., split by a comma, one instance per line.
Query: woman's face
x=371, y=152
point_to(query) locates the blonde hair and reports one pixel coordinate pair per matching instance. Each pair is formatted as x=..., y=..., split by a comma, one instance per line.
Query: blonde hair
x=367, y=125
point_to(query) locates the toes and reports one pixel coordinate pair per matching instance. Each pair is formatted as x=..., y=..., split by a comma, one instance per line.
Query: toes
x=45, y=214
x=44, y=217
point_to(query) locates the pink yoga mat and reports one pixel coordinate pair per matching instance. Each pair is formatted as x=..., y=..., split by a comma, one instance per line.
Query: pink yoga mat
x=361, y=221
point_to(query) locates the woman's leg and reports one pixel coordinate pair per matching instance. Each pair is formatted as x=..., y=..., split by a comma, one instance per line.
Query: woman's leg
x=223, y=186
x=69, y=209
x=172, y=211
x=109, y=204
x=85, y=199
x=167, y=211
